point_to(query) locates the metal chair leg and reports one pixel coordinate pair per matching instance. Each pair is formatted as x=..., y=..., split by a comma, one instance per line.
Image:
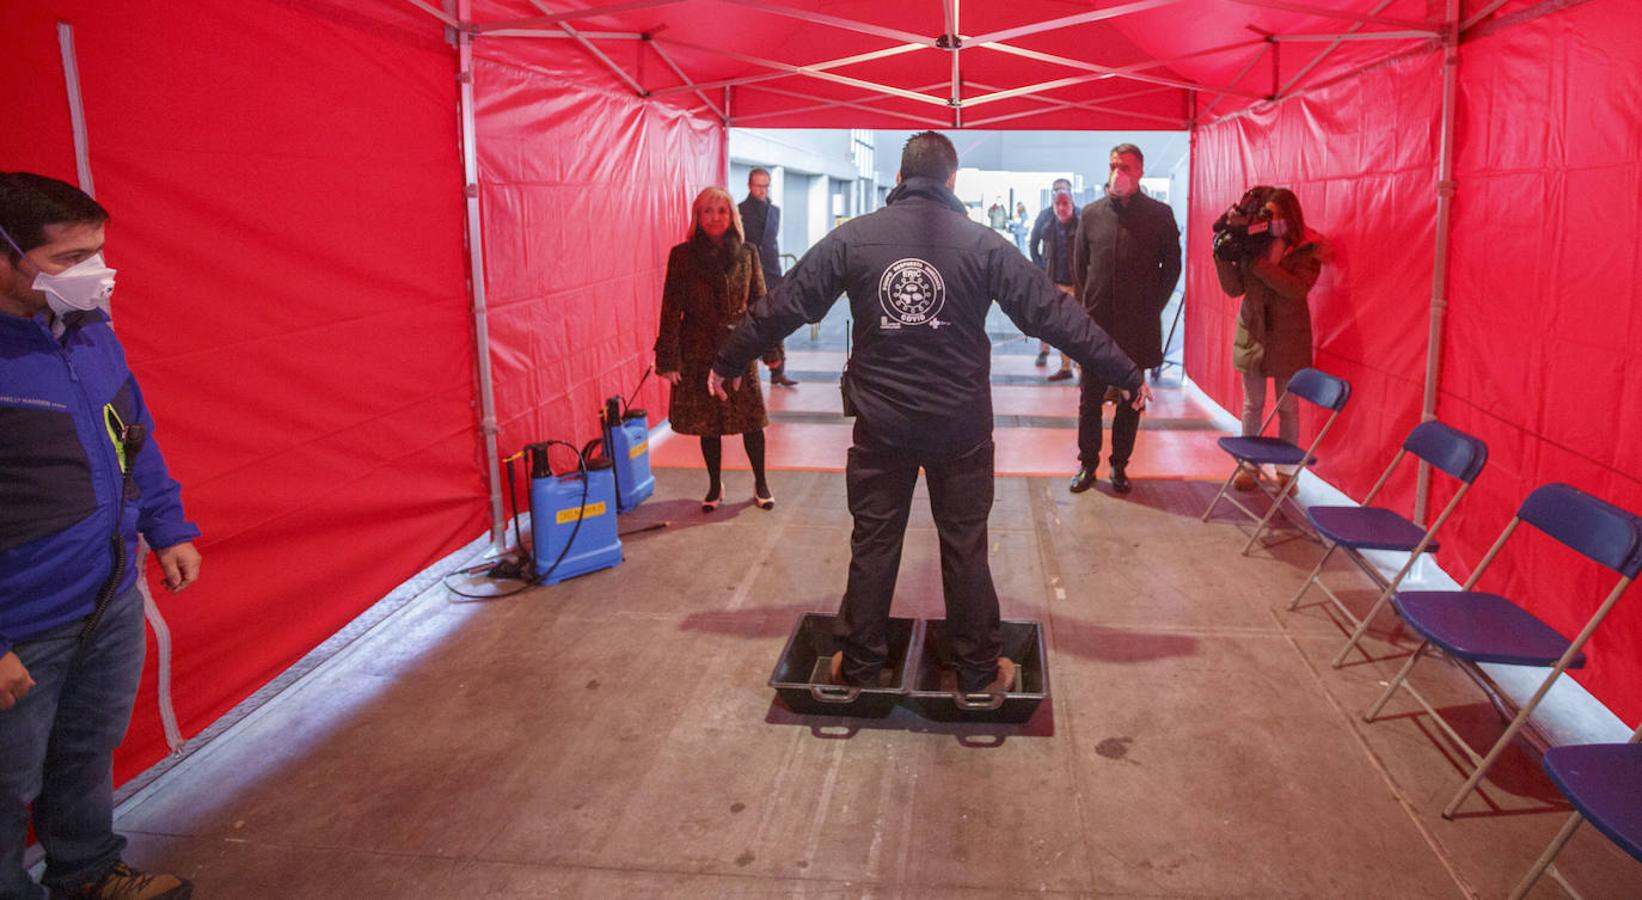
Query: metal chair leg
x=1362, y=625
x=1385, y=596
x=1225, y=486
x=1276, y=505
x=1295, y=603
x=1544, y=861
x=1396, y=682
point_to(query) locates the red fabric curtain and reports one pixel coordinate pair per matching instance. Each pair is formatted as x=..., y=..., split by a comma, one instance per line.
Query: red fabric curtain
x=583, y=189
x=292, y=298
x=1542, y=339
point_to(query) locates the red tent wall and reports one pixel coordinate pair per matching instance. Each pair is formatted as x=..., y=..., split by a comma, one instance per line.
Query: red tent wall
x=584, y=187
x=1543, y=332
x=291, y=297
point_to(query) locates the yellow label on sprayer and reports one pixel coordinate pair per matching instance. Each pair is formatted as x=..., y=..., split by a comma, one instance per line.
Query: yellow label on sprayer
x=638, y=449
x=580, y=512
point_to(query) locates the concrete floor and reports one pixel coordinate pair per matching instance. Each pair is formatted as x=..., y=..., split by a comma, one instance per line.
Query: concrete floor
x=613, y=736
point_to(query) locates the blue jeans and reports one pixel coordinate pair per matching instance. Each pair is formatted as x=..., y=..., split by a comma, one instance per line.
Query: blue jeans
x=57, y=749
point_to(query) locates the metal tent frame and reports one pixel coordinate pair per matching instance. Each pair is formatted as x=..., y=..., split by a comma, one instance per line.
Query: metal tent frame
x=949, y=107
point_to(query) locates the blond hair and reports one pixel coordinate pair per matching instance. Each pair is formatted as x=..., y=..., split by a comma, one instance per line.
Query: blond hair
x=714, y=193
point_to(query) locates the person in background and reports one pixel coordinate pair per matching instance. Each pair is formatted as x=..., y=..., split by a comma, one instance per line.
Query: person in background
x=1017, y=226
x=1059, y=246
x=711, y=279
x=762, y=221
x=1274, y=321
x=80, y=478
x=1127, y=262
x=997, y=215
x=921, y=277
x=1034, y=246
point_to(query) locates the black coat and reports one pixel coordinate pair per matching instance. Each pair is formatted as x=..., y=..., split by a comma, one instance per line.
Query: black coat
x=1127, y=261
x=762, y=224
x=701, y=301
x=920, y=277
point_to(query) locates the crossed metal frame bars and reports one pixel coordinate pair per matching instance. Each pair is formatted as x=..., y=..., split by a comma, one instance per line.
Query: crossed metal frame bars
x=557, y=24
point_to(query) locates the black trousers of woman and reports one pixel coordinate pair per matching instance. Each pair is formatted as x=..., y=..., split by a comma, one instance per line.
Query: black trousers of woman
x=712, y=453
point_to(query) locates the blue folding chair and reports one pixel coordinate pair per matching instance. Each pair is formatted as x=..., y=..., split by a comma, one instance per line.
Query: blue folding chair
x=1354, y=529
x=1473, y=627
x=1604, y=783
x=1318, y=388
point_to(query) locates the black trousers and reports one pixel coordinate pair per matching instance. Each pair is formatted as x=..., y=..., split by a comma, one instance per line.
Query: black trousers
x=1125, y=425
x=880, y=481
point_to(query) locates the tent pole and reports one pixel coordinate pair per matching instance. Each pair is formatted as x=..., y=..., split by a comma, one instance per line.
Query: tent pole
x=726, y=137
x=1439, y=268
x=76, y=109
x=476, y=257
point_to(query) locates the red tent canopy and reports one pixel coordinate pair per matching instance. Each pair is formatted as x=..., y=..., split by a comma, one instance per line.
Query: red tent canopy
x=291, y=182
x=1143, y=64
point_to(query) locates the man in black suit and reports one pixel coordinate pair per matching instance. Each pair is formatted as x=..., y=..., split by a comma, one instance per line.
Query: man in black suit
x=761, y=220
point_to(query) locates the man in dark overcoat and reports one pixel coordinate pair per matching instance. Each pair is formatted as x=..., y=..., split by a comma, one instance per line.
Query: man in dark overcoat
x=761, y=220
x=1126, y=261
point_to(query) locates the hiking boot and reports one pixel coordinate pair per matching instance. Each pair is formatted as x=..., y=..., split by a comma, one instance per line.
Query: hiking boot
x=1244, y=480
x=1005, y=680
x=1062, y=375
x=125, y=883
x=836, y=673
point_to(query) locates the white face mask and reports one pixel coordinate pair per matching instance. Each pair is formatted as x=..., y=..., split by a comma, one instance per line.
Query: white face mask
x=88, y=284
x=1121, y=184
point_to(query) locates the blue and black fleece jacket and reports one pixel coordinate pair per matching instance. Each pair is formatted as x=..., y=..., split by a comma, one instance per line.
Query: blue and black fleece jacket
x=61, y=488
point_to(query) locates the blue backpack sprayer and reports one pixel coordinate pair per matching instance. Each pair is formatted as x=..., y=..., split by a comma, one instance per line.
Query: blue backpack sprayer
x=572, y=516
x=627, y=445
x=573, y=513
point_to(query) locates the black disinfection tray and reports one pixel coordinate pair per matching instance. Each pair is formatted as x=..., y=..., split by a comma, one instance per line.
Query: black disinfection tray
x=934, y=681
x=801, y=674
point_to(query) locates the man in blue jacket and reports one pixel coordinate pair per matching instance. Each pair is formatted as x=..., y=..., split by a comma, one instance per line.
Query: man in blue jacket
x=920, y=277
x=80, y=477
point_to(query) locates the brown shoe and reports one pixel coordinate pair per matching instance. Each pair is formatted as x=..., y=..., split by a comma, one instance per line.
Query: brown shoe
x=125, y=883
x=1005, y=682
x=1244, y=480
x=1283, y=479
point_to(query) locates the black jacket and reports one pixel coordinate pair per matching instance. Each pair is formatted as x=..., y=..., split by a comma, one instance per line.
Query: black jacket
x=1126, y=261
x=1034, y=244
x=762, y=222
x=920, y=277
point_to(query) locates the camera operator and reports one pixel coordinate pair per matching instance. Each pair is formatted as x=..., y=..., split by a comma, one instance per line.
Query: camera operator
x=1264, y=253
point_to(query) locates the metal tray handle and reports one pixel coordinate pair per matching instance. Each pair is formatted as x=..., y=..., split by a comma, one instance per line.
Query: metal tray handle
x=969, y=701
x=832, y=693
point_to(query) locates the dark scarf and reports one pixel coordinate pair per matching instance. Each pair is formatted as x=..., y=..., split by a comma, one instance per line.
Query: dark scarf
x=718, y=258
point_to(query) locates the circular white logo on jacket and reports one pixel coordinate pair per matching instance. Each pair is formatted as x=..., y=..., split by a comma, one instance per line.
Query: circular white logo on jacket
x=911, y=292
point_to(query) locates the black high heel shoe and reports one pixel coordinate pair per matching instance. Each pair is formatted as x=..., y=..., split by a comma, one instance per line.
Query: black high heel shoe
x=713, y=497
x=765, y=500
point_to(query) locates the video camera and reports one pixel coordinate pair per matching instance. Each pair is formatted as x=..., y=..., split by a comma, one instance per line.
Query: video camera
x=1245, y=229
